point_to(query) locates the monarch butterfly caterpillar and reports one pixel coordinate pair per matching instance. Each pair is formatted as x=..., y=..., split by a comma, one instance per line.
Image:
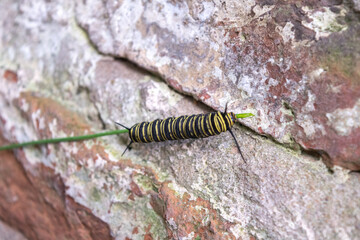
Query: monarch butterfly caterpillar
x=183, y=127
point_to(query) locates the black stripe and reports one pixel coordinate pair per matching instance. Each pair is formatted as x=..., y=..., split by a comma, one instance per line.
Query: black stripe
x=160, y=137
x=212, y=119
x=141, y=136
x=169, y=128
x=148, y=133
x=178, y=127
x=197, y=128
x=132, y=133
x=226, y=121
x=155, y=136
x=166, y=128
x=188, y=127
x=175, y=128
x=184, y=127
x=207, y=125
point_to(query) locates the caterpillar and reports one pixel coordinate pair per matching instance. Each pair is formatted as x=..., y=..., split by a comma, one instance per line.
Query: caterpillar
x=183, y=127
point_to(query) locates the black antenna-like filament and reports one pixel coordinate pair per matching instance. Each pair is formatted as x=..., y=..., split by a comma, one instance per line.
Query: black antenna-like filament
x=237, y=144
x=128, y=146
x=122, y=125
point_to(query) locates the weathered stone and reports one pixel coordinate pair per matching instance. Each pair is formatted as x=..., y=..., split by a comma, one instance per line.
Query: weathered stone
x=53, y=83
x=356, y=5
x=36, y=204
x=290, y=63
x=8, y=233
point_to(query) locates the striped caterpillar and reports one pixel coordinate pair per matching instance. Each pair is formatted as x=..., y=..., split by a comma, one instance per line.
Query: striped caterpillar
x=183, y=127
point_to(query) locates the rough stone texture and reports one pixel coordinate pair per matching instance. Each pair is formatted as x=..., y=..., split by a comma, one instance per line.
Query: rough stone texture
x=356, y=5
x=36, y=204
x=8, y=233
x=293, y=64
x=277, y=62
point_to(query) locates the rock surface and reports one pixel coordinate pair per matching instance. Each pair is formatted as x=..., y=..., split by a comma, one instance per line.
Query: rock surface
x=295, y=66
x=8, y=233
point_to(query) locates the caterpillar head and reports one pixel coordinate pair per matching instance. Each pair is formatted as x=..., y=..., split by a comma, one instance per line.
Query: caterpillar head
x=232, y=116
x=229, y=118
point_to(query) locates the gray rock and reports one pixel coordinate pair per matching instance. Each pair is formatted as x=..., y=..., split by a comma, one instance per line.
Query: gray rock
x=55, y=83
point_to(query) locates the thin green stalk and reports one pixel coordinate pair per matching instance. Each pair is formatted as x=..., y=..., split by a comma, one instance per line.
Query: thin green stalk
x=244, y=115
x=64, y=139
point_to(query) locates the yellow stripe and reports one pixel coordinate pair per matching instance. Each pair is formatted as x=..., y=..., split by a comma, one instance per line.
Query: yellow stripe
x=170, y=132
x=203, y=125
x=217, y=123
x=135, y=134
x=195, y=117
x=149, y=132
x=152, y=134
x=178, y=119
x=143, y=132
x=156, y=130
x=229, y=120
x=162, y=130
x=210, y=126
x=173, y=129
x=131, y=132
x=184, y=125
x=174, y=134
x=174, y=126
x=137, y=129
x=180, y=128
x=139, y=133
x=221, y=122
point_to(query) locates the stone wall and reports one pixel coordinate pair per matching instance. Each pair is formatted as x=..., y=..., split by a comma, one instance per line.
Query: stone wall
x=71, y=68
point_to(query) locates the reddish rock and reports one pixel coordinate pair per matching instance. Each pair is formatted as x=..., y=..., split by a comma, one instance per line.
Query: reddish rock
x=190, y=216
x=10, y=76
x=38, y=207
x=275, y=56
x=336, y=88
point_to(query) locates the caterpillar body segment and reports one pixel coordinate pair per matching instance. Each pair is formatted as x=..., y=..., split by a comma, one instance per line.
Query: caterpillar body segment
x=183, y=127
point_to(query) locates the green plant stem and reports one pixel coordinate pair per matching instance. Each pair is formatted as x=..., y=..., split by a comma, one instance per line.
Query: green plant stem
x=244, y=115
x=64, y=139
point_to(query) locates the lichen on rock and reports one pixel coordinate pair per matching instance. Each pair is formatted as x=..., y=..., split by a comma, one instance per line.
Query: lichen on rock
x=74, y=68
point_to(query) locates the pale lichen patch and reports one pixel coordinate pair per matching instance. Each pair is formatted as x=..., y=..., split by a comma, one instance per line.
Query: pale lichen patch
x=309, y=126
x=259, y=11
x=345, y=120
x=207, y=11
x=53, y=127
x=190, y=236
x=309, y=106
x=144, y=182
x=341, y=175
x=24, y=105
x=38, y=121
x=100, y=162
x=180, y=191
x=286, y=32
x=324, y=22
x=158, y=92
